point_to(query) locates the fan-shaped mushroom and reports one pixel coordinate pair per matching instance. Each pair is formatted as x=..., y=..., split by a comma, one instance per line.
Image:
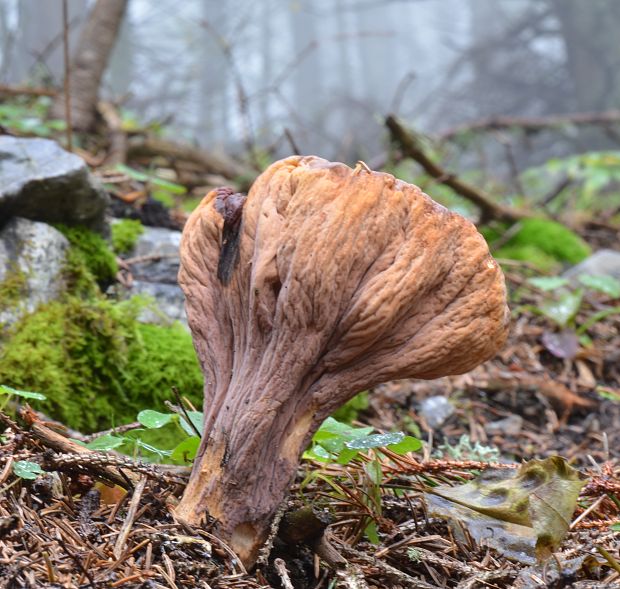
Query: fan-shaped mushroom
x=324, y=282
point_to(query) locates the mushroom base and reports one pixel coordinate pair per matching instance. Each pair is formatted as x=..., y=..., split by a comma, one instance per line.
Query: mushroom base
x=240, y=477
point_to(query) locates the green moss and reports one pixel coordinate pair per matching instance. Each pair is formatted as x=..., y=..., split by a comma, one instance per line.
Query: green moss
x=125, y=234
x=96, y=364
x=539, y=241
x=90, y=260
x=12, y=287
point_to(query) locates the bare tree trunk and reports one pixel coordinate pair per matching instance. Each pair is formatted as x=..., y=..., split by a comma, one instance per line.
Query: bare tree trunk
x=90, y=61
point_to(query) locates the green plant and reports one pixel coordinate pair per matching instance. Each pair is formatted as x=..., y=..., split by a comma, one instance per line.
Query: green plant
x=161, y=189
x=12, y=286
x=350, y=411
x=566, y=302
x=125, y=234
x=96, y=363
x=27, y=116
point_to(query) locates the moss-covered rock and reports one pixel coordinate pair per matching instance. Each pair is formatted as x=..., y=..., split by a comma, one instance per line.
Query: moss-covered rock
x=90, y=262
x=96, y=363
x=546, y=244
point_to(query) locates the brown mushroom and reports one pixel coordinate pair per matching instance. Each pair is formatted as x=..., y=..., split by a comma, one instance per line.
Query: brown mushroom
x=324, y=282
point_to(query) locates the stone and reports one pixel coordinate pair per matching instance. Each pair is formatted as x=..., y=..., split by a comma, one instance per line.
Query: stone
x=160, y=247
x=41, y=181
x=32, y=256
x=436, y=410
x=156, y=275
x=604, y=262
x=509, y=426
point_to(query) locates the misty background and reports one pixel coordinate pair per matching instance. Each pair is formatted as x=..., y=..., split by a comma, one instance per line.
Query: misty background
x=322, y=74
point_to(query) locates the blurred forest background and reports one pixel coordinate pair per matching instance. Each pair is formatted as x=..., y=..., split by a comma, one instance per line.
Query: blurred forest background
x=234, y=74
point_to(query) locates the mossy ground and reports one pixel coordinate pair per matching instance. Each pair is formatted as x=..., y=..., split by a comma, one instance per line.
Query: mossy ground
x=12, y=286
x=125, y=234
x=92, y=358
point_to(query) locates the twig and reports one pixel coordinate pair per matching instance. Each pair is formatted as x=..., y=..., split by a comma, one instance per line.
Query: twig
x=280, y=567
x=185, y=413
x=67, y=82
x=532, y=124
x=117, y=153
x=131, y=514
x=6, y=90
x=411, y=147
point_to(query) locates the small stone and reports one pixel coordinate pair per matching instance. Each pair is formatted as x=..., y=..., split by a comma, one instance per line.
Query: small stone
x=32, y=255
x=41, y=181
x=509, y=426
x=156, y=241
x=436, y=410
x=604, y=262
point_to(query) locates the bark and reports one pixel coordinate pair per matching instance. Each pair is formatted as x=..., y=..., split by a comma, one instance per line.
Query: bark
x=90, y=61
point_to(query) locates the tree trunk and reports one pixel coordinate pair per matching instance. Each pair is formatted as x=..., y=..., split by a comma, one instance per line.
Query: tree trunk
x=590, y=34
x=90, y=61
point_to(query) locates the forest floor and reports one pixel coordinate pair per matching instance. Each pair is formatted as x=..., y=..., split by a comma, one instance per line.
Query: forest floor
x=68, y=529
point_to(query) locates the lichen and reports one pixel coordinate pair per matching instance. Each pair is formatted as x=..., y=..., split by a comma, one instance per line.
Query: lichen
x=96, y=363
x=125, y=234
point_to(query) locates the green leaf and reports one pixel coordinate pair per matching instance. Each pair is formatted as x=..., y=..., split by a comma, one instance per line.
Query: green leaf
x=407, y=444
x=154, y=419
x=196, y=417
x=24, y=394
x=615, y=527
x=332, y=426
x=149, y=448
x=27, y=470
x=371, y=532
x=608, y=393
x=375, y=441
x=564, y=309
x=547, y=283
x=186, y=450
x=374, y=472
x=106, y=442
x=606, y=284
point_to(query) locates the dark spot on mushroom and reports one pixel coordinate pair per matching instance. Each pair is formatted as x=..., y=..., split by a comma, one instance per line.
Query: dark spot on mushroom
x=229, y=205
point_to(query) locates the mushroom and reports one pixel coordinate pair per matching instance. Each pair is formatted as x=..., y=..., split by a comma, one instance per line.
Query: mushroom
x=325, y=281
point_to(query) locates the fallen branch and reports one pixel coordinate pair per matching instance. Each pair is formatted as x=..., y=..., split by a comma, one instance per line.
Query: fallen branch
x=117, y=151
x=26, y=91
x=210, y=161
x=532, y=124
x=411, y=147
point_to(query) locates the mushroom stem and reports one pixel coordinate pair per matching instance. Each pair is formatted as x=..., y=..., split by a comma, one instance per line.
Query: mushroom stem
x=241, y=474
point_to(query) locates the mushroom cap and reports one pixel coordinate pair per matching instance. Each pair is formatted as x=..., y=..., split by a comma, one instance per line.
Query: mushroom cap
x=345, y=279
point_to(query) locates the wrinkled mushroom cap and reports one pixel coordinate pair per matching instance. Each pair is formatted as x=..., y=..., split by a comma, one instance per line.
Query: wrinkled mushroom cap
x=354, y=276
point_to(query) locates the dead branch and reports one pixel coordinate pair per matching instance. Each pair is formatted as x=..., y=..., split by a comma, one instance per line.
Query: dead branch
x=411, y=146
x=117, y=152
x=532, y=124
x=212, y=162
x=25, y=91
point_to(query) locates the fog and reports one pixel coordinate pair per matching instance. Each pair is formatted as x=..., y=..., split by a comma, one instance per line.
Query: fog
x=320, y=75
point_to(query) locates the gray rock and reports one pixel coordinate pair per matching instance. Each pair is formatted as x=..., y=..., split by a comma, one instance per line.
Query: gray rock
x=168, y=299
x=32, y=256
x=436, y=410
x=602, y=263
x=509, y=426
x=156, y=275
x=41, y=181
x=161, y=248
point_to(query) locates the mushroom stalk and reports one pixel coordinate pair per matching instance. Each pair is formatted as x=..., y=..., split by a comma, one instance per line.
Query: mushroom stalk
x=323, y=282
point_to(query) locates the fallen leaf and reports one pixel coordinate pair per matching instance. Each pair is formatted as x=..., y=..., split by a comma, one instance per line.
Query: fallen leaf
x=524, y=513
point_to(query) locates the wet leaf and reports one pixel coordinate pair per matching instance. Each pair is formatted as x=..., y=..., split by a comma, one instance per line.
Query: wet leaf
x=408, y=444
x=564, y=344
x=375, y=441
x=524, y=513
x=547, y=283
x=154, y=419
x=105, y=443
x=606, y=284
x=564, y=309
x=4, y=389
x=186, y=450
x=27, y=470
